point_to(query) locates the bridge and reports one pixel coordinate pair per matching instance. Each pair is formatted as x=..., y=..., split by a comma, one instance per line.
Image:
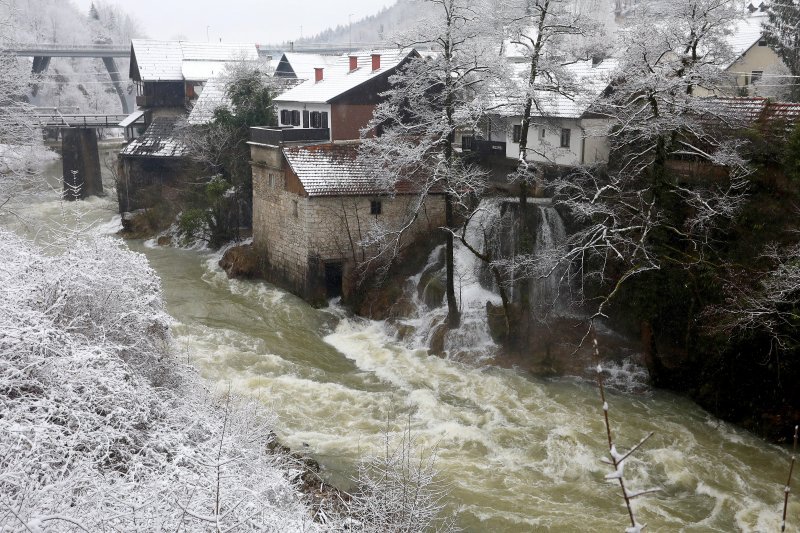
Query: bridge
x=70, y=50
x=74, y=120
x=42, y=53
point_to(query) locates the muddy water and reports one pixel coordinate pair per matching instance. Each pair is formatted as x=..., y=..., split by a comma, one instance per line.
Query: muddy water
x=519, y=453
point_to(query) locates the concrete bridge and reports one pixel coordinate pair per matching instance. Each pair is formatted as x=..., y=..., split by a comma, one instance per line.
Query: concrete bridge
x=43, y=53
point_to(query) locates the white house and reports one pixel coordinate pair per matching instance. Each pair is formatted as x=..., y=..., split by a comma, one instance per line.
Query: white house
x=563, y=131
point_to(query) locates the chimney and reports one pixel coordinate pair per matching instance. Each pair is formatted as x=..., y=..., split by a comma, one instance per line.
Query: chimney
x=318, y=74
x=353, y=63
x=376, y=61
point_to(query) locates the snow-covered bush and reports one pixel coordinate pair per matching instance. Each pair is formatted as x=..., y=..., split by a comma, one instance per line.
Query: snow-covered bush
x=398, y=491
x=101, y=429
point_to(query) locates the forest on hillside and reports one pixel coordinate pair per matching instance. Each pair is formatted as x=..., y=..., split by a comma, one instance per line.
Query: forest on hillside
x=78, y=84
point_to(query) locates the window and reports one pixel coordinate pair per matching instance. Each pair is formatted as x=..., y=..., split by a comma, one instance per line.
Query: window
x=542, y=133
x=565, y=133
x=375, y=207
x=294, y=207
x=762, y=42
x=517, y=133
x=316, y=120
x=272, y=180
x=286, y=117
x=295, y=118
x=756, y=75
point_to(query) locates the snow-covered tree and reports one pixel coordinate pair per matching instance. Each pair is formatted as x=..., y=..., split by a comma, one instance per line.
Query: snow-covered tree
x=782, y=32
x=642, y=214
x=430, y=99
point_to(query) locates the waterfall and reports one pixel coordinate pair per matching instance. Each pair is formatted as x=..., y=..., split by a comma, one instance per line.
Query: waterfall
x=494, y=227
x=547, y=295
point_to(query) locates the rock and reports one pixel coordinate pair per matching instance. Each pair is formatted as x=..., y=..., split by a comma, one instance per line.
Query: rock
x=241, y=262
x=135, y=221
x=433, y=292
x=164, y=240
x=496, y=320
x=436, y=344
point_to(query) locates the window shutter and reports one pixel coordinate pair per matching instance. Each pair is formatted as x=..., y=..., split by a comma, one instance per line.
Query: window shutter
x=305, y=118
x=285, y=117
x=324, y=119
x=295, y=118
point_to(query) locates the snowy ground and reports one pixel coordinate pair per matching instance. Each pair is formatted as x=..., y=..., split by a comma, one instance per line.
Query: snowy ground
x=101, y=429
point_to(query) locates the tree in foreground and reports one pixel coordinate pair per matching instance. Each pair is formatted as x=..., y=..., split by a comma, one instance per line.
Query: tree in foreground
x=430, y=99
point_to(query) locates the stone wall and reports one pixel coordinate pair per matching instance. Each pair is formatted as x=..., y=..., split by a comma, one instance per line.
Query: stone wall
x=298, y=234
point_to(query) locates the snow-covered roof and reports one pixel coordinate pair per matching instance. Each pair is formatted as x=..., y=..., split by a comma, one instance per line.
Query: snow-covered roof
x=303, y=65
x=159, y=140
x=338, y=79
x=184, y=60
x=583, y=84
x=213, y=96
x=335, y=170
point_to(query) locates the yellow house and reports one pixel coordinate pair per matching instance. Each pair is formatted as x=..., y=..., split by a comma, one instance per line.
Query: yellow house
x=756, y=68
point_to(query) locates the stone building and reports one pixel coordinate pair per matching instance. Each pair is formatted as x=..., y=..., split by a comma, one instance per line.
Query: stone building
x=312, y=206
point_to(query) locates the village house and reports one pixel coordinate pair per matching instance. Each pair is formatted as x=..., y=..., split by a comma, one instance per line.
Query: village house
x=169, y=76
x=314, y=201
x=313, y=204
x=754, y=69
x=341, y=98
x=563, y=133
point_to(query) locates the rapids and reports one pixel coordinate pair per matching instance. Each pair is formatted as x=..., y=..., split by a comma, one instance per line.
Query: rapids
x=519, y=453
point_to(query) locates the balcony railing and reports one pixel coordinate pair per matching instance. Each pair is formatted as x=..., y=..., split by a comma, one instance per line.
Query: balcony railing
x=277, y=136
x=471, y=144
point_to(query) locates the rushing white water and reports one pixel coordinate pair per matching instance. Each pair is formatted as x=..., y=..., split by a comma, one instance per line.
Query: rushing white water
x=520, y=453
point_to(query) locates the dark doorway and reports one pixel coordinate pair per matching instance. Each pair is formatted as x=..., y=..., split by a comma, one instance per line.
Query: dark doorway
x=333, y=280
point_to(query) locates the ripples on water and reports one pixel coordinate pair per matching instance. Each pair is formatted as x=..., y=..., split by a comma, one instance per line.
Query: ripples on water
x=520, y=454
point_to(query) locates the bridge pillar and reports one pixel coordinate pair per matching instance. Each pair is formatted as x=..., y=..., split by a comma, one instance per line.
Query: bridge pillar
x=40, y=64
x=81, y=163
x=113, y=71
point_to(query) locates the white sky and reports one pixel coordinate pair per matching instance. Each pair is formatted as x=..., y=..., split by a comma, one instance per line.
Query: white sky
x=259, y=21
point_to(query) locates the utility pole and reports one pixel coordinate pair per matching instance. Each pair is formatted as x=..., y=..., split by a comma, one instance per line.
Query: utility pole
x=350, y=24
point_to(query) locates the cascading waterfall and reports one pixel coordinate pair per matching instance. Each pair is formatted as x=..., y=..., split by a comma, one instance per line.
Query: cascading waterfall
x=495, y=227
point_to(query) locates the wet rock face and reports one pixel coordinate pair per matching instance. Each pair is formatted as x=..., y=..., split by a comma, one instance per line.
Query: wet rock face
x=241, y=262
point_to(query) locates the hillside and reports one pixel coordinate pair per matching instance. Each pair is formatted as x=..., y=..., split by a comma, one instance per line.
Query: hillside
x=380, y=28
x=70, y=83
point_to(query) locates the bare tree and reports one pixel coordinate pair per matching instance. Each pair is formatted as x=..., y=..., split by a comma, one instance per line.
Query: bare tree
x=642, y=213
x=430, y=99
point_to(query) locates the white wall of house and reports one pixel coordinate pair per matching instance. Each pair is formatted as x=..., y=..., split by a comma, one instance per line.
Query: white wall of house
x=302, y=106
x=586, y=144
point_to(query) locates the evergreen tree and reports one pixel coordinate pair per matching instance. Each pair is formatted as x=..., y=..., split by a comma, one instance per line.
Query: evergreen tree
x=782, y=32
x=93, y=14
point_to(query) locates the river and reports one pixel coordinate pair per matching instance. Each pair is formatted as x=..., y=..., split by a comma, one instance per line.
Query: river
x=518, y=453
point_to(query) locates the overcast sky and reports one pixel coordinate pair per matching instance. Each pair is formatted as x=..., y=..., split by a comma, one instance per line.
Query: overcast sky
x=259, y=21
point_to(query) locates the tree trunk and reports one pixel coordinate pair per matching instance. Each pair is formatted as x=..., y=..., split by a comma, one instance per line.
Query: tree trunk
x=453, y=314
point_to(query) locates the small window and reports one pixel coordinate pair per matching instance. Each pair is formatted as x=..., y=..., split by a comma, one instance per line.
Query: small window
x=272, y=180
x=756, y=75
x=542, y=133
x=762, y=42
x=565, y=134
x=316, y=119
x=517, y=134
x=295, y=118
x=294, y=207
x=375, y=207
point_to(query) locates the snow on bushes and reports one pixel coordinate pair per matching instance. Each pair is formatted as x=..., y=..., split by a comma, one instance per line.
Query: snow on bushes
x=100, y=428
